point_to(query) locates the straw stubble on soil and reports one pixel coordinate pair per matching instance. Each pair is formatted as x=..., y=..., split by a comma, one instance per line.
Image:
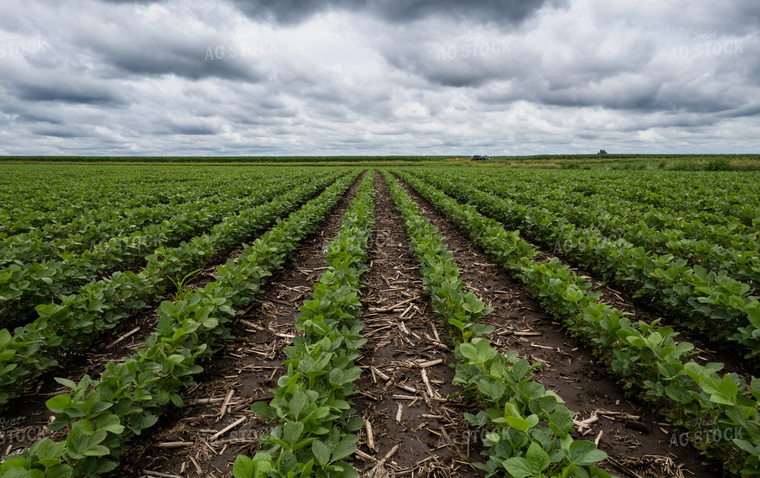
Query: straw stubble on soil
x=414, y=419
x=636, y=439
x=416, y=431
x=187, y=442
x=29, y=412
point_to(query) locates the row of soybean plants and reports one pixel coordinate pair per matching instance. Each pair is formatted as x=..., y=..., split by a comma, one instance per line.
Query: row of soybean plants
x=688, y=215
x=50, y=203
x=730, y=246
x=682, y=226
x=527, y=426
x=715, y=304
x=89, y=222
x=47, y=200
x=314, y=432
x=688, y=208
x=101, y=415
x=76, y=320
x=712, y=198
x=25, y=284
x=645, y=357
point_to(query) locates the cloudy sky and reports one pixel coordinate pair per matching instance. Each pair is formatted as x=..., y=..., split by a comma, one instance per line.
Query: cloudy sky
x=301, y=77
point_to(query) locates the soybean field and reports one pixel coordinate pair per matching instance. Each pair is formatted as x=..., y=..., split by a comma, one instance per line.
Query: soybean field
x=177, y=320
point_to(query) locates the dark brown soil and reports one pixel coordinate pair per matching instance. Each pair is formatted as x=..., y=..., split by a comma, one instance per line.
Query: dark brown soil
x=28, y=412
x=634, y=438
x=646, y=312
x=419, y=432
x=407, y=374
x=244, y=369
x=704, y=352
x=112, y=345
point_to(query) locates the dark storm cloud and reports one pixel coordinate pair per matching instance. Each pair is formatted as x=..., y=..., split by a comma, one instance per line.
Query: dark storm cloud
x=464, y=73
x=34, y=118
x=188, y=61
x=731, y=17
x=196, y=131
x=748, y=14
x=189, y=127
x=643, y=95
x=149, y=49
x=496, y=11
x=69, y=92
x=395, y=11
x=746, y=110
x=287, y=11
x=627, y=70
x=60, y=132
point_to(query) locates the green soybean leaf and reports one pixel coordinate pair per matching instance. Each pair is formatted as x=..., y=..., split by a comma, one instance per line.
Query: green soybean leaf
x=518, y=423
x=243, y=467
x=297, y=404
x=110, y=423
x=59, y=403
x=585, y=453
x=321, y=452
x=345, y=448
x=261, y=409
x=538, y=459
x=518, y=467
x=291, y=432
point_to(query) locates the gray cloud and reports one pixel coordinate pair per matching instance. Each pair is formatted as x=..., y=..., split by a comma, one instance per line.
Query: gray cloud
x=68, y=92
x=395, y=11
x=372, y=77
x=492, y=11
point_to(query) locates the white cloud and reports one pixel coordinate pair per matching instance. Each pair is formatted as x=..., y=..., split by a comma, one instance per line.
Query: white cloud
x=226, y=77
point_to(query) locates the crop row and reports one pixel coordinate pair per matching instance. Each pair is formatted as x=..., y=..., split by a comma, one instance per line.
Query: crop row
x=82, y=232
x=57, y=210
x=717, y=305
x=528, y=428
x=731, y=246
x=709, y=198
x=130, y=396
x=60, y=201
x=108, y=220
x=315, y=430
x=77, y=319
x=24, y=286
x=646, y=358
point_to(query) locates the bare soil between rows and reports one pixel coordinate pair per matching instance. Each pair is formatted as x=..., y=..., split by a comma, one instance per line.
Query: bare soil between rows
x=27, y=416
x=416, y=426
x=407, y=361
x=187, y=441
x=637, y=440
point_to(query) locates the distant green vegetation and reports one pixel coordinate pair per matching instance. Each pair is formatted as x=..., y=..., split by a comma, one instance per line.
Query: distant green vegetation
x=86, y=247
x=600, y=160
x=604, y=156
x=664, y=162
x=221, y=159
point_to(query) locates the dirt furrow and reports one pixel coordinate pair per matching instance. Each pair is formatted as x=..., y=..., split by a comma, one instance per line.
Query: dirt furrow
x=192, y=441
x=412, y=429
x=641, y=310
x=704, y=352
x=28, y=412
x=636, y=439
